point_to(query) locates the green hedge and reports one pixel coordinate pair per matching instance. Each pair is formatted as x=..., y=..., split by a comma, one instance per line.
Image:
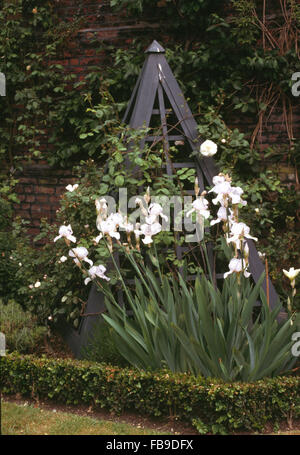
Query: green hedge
x=210, y=404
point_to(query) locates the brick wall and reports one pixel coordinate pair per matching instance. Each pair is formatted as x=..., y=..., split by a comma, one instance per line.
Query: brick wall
x=39, y=191
x=274, y=134
x=40, y=186
x=101, y=24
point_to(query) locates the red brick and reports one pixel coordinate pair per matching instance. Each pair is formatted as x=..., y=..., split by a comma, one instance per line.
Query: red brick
x=22, y=197
x=64, y=181
x=38, y=216
x=27, y=180
x=89, y=61
x=30, y=198
x=60, y=190
x=25, y=206
x=33, y=231
x=47, y=181
x=44, y=190
x=89, y=52
x=41, y=198
x=79, y=69
x=54, y=199
x=23, y=214
x=36, y=221
x=40, y=207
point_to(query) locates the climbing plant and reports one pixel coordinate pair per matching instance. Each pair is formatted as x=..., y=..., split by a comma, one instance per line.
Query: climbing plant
x=232, y=59
x=44, y=109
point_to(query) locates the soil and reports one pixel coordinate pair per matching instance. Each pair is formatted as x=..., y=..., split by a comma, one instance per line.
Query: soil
x=55, y=347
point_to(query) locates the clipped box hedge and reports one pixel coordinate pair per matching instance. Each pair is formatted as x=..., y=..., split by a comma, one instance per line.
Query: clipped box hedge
x=214, y=404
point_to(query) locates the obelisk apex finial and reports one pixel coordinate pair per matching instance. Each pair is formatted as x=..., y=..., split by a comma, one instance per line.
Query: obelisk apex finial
x=155, y=48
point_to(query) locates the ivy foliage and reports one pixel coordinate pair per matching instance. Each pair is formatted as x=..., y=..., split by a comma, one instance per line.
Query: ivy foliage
x=44, y=109
x=45, y=112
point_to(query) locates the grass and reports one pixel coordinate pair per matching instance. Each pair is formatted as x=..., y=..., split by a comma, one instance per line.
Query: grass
x=29, y=420
x=26, y=419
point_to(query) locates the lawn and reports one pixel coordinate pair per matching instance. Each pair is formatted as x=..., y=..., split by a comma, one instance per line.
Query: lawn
x=26, y=419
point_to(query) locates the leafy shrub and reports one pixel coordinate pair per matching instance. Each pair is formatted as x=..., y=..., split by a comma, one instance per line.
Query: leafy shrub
x=20, y=328
x=220, y=407
x=8, y=268
x=11, y=239
x=61, y=291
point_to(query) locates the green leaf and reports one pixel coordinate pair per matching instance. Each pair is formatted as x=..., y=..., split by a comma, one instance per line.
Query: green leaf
x=119, y=180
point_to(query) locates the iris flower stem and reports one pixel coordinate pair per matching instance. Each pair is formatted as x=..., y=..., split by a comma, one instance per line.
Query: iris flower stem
x=119, y=273
x=158, y=267
x=207, y=260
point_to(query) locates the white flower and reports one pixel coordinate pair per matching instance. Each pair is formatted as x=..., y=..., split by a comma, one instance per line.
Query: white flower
x=246, y=250
x=224, y=190
x=139, y=201
x=155, y=210
x=221, y=216
x=148, y=230
x=291, y=274
x=208, y=148
x=80, y=254
x=218, y=179
x=235, y=195
x=108, y=227
x=100, y=203
x=37, y=284
x=200, y=207
x=72, y=187
x=147, y=196
x=96, y=271
x=239, y=231
x=117, y=219
x=98, y=238
x=237, y=266
x=127, y=226
x=63, y=259
x=137, y=231
x=66, y=231
x=101, y=207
